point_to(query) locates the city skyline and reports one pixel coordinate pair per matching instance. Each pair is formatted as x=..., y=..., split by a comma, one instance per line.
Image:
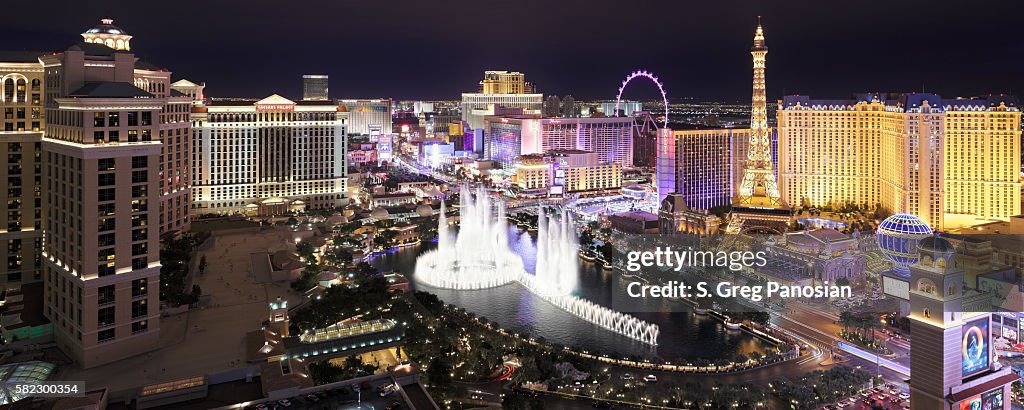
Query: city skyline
x=697, y=49
x=546, y=248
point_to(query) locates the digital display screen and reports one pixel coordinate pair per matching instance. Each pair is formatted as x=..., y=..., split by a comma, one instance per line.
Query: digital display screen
x=992, y=400
x=974, y=347
x=973, y=403
x=1009, y=330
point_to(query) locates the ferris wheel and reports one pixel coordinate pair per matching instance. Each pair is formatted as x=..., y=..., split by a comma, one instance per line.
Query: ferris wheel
x=653, y=78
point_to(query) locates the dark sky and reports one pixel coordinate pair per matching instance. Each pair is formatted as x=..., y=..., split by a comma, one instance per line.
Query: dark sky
x=438, y=49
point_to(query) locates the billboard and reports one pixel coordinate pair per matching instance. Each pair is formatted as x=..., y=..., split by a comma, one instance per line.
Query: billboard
x=1009, y=330
x=990, y=400
x=974, y=354
x=972, y=403
x=384, y=147
x=374, y=132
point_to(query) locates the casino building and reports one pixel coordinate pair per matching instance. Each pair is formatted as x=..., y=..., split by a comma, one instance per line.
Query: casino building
x=952, y=359
x=268, y=157
x=508, y=137
x=953, y=162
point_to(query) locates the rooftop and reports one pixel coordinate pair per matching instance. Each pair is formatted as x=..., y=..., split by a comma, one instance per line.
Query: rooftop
x=902, y=101
x=110, y=89
x=106, y=26
x=24, y=372
x=20, y=56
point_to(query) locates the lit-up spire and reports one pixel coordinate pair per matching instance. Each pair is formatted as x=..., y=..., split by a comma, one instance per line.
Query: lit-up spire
x=759, y=187
x=759, y=35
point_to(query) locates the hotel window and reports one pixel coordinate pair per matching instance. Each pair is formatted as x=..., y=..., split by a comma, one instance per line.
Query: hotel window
x=139, y=308
x=106, y=179
x=106, y=224
x=147, y=118
x=107, y=239
x=107, y=194
x=139, y=327
x=106, y=294
x=98, y=119
x=105, y=316
x=105, y=336
x=106, y=164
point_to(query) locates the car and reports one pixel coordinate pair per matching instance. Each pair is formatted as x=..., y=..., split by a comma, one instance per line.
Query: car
x=650, y=378
x=894, y=392
x=313, y=398
x=284, y=403
x=904, y=396
x=386, y=392
x=866, y=401
x=627, y=376
x=842, y=404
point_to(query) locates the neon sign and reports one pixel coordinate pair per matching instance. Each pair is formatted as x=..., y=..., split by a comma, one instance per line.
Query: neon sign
x=275, y=107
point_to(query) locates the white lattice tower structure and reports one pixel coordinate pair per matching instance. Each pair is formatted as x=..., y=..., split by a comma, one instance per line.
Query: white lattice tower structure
x=759, y=187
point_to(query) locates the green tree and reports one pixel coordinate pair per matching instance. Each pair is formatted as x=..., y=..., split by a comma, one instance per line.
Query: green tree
x=439, y=372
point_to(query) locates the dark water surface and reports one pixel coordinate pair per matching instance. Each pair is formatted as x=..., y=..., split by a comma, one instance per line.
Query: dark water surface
x=683, y=334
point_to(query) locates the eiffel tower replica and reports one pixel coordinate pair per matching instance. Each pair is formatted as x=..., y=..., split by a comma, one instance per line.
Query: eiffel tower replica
x=758, y=208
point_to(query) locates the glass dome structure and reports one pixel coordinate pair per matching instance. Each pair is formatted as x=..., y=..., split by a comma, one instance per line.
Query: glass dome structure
x=897, y=237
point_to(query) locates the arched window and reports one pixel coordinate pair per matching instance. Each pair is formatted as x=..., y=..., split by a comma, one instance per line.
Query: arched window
x=109, y=43
x=22, y=88
x=926, y=286
x=8, y=87
x=120, y=44
x=35, y=84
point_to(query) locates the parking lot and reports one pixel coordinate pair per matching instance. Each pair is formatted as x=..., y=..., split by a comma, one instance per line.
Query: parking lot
x=885, y=396
x=344, y=398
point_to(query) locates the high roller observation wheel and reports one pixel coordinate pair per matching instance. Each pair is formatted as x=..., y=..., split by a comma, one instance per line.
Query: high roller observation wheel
x=653, y=78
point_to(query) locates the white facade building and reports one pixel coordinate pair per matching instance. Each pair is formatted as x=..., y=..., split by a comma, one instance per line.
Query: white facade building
x=269, y=152
x=368, y=117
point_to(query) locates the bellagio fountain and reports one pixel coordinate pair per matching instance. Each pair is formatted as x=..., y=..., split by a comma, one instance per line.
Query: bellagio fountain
x=479, y=257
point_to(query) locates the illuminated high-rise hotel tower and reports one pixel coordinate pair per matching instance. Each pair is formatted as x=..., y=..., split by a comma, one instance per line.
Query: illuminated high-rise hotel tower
x=757, y=205
x=759, y=187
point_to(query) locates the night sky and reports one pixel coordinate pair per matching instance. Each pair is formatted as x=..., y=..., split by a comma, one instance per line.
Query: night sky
x=438, y=49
